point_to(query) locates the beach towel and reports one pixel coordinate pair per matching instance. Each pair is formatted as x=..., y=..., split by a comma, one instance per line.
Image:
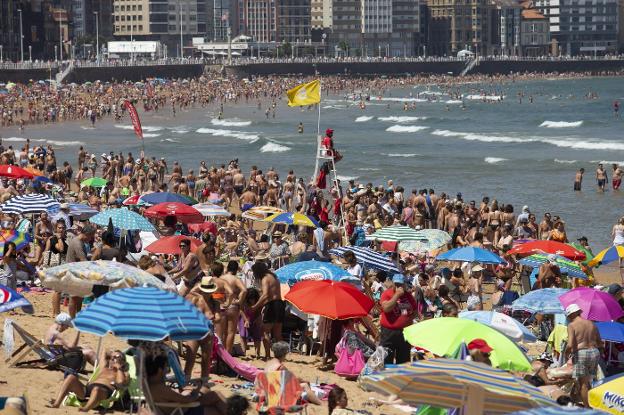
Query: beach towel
x=278, y=392
x=243, y=369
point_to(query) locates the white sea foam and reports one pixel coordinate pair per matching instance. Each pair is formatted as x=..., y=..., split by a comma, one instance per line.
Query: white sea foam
x=150, y=135
x=485, y=97
x=369, y=169
x=14, y=139
x=64, y=143
x=229, y=133
x=230, y=123
x=586, y=145
x=148, y=128
x=405, y=128
x=561, y=124
x=272, y=147
x=494, y=160
x=363, y=118
x=400, y=154
x=453, y=101
x=479, y=137
x=346, y=178
x=401, y=119
x=404, y=99
x=565, y=161
x=84, y=127
x=607, y=162
x=171, y=140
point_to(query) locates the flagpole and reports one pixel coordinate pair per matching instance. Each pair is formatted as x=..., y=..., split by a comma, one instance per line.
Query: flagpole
x=318, y=134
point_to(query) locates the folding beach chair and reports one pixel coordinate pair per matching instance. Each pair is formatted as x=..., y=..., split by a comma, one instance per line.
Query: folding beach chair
x=49, y=357
x=278, y=392
x=72, y=400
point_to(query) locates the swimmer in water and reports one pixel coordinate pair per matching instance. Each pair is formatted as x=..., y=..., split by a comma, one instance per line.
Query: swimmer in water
x=300, y=128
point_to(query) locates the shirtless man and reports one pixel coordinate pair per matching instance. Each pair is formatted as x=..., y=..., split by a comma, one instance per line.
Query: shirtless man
x=273, y=308
x=53, y=337
x=248, y=200
x=82, y=156
x=238, y=180
x=578, y=180
x=585, y=346
x=601, y=177
x=616, y=181
x=235, y=299
x=188, y=269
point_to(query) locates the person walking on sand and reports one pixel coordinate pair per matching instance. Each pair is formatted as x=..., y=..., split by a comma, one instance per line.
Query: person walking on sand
x=578, y=179
x=585, y=346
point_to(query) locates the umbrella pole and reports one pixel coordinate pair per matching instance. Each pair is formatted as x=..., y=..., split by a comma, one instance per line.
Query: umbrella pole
x=97, y=353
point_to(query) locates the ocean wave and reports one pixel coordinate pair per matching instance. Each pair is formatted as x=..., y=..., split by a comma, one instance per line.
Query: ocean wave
x=87, y=128
x=400, y=154
x=561, y=124
x=272, y=147
x=147, y=128
x=363, y=118
x=453, y=101
x=230, y=123
x=405, y=128
x=171, y=140
x=14, y=139
x=335, y=107
x=479, y=137
x=494, y=160
x=401, y=118
x=229, y=133
x=404, y=99
x=369, y=169
x=485, y=97
x=346, y=178
x=606, y=162
x=565, y=161
x=150, y=135
x=586, y=145
x=64, y=143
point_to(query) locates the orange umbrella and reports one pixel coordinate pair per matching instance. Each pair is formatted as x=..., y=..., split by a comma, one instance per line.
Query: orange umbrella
x=171, y=244
x=332, y=299
x=34, y=171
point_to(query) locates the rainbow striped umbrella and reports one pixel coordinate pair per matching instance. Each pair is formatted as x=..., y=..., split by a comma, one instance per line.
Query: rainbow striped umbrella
x=450, y=383
x=290, y=218
x=20, y=239
x=607, y=255
x=260, y=212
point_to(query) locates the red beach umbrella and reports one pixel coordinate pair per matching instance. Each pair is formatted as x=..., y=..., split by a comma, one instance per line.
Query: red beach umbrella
x=548, y=247
x=132, y=200
x=14, y=172
x=331, y=299
x=208, y=226
x=171, y=244
x=182, y=212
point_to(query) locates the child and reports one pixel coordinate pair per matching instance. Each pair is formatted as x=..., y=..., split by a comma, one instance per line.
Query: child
x=250, y=323
x=337, y=402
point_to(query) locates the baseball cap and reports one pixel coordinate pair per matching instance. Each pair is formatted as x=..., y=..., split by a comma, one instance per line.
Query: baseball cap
x=571, y=309
x=481, y=345
x=614, y=289
x=477, y=268
x=208, y=285
x=398, y=278
x=64, y=319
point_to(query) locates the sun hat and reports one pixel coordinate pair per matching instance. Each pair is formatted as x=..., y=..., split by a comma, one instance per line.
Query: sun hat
x=477, y=268
x=208, y=285
x=64, y=319
x=571, y=309
x=277, y=234
x=398, y=278
x=481, y=345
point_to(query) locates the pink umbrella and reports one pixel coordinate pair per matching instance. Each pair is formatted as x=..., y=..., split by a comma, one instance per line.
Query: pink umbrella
x=596, y=305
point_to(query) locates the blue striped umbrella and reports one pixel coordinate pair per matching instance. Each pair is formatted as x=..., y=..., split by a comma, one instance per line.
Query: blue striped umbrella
x=544, y=301
x=310, y=270
x=470, y=254
x=449, y=383
x=559, y=410
x=123, y=219
x=77, y=210
x=144, y=313
x=30, y=203
x=367, y=257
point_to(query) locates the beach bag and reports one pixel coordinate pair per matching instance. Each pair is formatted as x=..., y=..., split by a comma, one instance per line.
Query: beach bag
x=349, y=365
x=51, y=259
x=375, y=363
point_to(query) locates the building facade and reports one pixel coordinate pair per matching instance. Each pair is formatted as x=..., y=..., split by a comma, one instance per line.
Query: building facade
x=535, y=38
x=260, y=20
x=10, y=30
x=293, y=21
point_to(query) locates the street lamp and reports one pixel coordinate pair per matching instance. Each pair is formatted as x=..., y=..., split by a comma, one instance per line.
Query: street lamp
x=181, y=34
x=55, y=53
x=97, y=36
x=30, y=53
x=21, y=37
x=1, y=57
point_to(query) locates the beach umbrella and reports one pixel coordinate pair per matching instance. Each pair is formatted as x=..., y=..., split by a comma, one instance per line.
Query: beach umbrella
x=607, y=256
x=289, y=218
x=132, y=200
x=449, y=383
x=207, y=226
x=588, y=253
x=596, y=305
x=260, y=212
x=558, y=410
x=76, y=210
x=163, y=197
x=208, y=209
x=78, y=278
x=30, y=203
x=367, y=257
x=123, y=218
x=39, y=180
x=609, y=396
x=171, y=244
x=507, y=325
x=144, y=313
x=565, y=265
x=11, y=299
x=545, y=301
x=611, y=331
x=34, y=171
x=506, y=354
x=182, y=212
x=14, y=172
x=547, y=247
x=94, y=182
x=20, y=239
x=332, y=299
x=310, y=270
x=431, y=239
x=470, y=254
x=396, y=233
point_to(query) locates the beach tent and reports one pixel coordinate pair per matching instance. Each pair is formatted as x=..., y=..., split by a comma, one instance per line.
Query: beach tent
x=465, y=54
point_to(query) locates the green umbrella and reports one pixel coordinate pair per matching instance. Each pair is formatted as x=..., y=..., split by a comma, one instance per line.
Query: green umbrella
x=506, y=354
x=94, y=182
x=588, y=253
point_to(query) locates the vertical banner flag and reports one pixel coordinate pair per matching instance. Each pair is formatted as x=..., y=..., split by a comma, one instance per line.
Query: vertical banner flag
x=134, y=116
x=305, y=94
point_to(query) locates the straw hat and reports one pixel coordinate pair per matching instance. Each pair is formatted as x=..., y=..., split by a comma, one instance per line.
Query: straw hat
x=208, y=285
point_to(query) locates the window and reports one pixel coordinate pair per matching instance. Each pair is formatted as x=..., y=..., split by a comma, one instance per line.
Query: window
x=141, y=27
x=140, y=7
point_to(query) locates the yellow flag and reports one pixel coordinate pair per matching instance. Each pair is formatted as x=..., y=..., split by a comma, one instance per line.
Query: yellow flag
x=305, y=94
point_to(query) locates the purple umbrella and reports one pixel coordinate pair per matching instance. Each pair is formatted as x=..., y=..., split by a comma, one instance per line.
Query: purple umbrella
x=596, y=305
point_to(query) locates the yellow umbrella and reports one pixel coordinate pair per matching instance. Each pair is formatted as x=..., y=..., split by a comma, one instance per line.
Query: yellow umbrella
x=609, y=396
